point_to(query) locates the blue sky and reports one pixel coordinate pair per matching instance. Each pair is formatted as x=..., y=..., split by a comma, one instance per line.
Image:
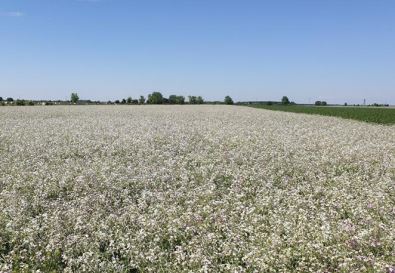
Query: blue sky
x=337, y=50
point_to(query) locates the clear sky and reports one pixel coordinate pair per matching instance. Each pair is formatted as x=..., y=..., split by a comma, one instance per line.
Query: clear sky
x=334, y=50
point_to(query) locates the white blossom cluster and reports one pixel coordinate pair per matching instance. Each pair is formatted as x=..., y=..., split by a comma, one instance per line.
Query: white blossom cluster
x=194, y=189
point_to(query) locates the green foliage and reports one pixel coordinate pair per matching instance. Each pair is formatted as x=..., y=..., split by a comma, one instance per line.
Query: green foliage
x=74, y=97
x=129, y=100
x=1, y=99
x=228, y=100
x=155, y=98
x=20, y=102
x=376, y=115
x=285, y=100
x=180, y=100
x=141, y=100
x=199, y=100
x=192, y=99
x=10, y=99
x=174, y=99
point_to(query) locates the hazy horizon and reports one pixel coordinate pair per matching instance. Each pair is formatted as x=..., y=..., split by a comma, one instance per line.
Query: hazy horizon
x=335, y=51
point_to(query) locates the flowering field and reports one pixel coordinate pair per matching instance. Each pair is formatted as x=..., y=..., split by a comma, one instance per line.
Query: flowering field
x=194, y=189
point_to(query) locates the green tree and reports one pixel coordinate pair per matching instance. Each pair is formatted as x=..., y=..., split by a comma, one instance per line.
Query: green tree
x=1, y=99
x=192, y=99
x=199, y=100
x=123, y=101
x=20, y=102
x=74, y=97
x=180, y=99
x=155, y=98
x=10, y=99
x=285, y=100
x=228, y=100
x=142, y=100
x=172, y=99
x=129, y=100
x=318, y=103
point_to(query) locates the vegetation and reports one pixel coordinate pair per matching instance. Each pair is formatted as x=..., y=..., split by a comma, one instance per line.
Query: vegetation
x=320, y=103
x=228, y=100
x=155, y=98
x=368, y=114
x=195, y=100
x=141, y=100
x=174, y=99
x=74, y=98
x=285, y=100
x=188, y=189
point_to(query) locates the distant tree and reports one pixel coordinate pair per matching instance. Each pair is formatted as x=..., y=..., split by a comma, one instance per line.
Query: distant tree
x=10, y=99
x=345, y=104
x=129, y=100
x=180, y=99
x=20, y=102
x=228, y=100
x=142, y=100
x=30, y=103
x=192, y=99
x=269, y=103
x=116, y=101
x=109, y=102
x=1, y=99
x=199, y=100
x=323, y=103
x=318, y=103
x=172, y=99
x=285, y=100
x=74, y=97
x=155, y=98
x=123, y=101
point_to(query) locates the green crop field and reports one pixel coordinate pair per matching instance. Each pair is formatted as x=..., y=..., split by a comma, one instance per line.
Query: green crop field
x=376, y=115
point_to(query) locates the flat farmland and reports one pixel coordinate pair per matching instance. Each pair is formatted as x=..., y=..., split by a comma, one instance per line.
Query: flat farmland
x=193, y=189
x=380, y=115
